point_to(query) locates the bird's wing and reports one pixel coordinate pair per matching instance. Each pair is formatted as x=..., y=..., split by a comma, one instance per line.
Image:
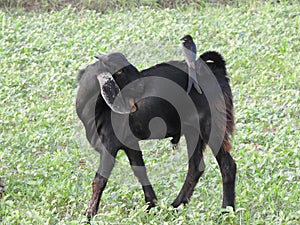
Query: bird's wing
x=189, y=56
x=192, y=81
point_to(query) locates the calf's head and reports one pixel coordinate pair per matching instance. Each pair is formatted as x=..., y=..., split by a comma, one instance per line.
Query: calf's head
x=113, y=72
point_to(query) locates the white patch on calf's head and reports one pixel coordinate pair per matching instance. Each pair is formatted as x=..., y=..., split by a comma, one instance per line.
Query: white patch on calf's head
x=110, y=92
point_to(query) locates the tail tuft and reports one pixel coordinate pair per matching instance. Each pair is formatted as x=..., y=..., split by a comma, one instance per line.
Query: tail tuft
x=214, y=56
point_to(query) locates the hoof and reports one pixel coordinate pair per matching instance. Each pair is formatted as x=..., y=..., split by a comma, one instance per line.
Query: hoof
x=228, y=209
x=151, y=205
x=90, y=213
x=179, y=201
x=2, y=189
x=176, y=204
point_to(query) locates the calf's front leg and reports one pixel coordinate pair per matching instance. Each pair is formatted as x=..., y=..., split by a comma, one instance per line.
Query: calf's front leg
x=107, y=161
x=138, y=166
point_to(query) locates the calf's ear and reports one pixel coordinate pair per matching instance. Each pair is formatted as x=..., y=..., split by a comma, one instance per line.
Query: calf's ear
x=111, y=94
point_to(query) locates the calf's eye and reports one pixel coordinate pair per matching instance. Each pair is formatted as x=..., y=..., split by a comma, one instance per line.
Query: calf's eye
x=119, y=72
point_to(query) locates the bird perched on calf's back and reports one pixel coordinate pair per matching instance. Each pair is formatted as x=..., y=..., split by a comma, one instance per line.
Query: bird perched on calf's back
x=189, y=51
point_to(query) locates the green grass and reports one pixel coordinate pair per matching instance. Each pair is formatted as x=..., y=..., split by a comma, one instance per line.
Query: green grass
x=104, y=6
x=47, y=164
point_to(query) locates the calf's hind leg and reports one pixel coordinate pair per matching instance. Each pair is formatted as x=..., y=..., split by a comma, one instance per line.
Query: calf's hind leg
x=195, y=170
x=228, y=171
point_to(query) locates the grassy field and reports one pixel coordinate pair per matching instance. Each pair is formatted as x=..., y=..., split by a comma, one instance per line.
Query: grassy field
x=48, y=166
x=104, y=6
